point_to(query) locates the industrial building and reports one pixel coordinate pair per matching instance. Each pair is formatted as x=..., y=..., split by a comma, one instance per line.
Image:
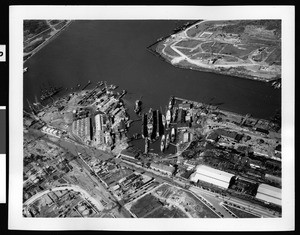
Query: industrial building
x=269, y=194
x=82, y=128
x=51, y=131
x=212, y=176
x=162, y=168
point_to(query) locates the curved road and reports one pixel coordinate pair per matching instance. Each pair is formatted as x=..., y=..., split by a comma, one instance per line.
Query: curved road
x=75, y=188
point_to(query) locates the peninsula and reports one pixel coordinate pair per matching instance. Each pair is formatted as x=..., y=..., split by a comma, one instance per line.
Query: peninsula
x=243, y=48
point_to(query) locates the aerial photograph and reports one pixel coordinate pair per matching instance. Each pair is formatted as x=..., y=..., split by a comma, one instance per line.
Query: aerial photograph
x=152, y=118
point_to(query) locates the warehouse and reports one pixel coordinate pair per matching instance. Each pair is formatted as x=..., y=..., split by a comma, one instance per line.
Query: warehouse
x=269, y=193
x=212, y=176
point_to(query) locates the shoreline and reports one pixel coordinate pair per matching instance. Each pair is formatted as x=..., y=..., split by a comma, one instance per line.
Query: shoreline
x=48, y=40
x=156, y=53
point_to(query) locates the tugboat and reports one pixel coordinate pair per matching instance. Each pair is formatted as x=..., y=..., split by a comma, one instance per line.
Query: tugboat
x=137, y=108
x=167, y=141
x=162, y=143
x=173, y=135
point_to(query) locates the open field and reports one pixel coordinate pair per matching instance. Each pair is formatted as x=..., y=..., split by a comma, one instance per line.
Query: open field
x=243, y=48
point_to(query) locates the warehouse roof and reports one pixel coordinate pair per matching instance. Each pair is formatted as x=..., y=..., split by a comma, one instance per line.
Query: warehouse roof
x=211, y=175
x=269, y=193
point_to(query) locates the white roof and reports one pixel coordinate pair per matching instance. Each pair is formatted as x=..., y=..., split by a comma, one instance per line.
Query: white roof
x=214, y=173
x=211, y=175
x=195, y=177
x=269, y=193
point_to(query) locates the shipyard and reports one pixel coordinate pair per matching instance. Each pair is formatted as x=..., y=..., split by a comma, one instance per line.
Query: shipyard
x=107, y=142
x=219, y=155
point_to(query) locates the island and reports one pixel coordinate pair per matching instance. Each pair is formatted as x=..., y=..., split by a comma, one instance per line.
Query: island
x=243, y=48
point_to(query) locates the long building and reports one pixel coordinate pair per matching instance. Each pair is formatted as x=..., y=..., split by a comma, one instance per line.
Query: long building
x=212, y=176
x=82, y=128
x=162, y=168
x=269, y=194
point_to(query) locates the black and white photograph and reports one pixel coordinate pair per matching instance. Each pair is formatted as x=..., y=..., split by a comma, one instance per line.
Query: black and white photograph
x=135, y=118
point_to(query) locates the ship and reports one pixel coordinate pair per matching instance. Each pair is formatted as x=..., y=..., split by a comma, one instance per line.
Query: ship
x=167, y=141
x=171, y=102
x=150, y=123
x=173, y=135
x=174, y=117
x=146, y=145
x=144, y=126
x=46, y=94
x=158, y=127
x=137, y=108
x=163, y=118
x=168, y=117
x=162, y=143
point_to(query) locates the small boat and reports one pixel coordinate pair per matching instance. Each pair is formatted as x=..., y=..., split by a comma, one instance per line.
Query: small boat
x=25, y=69
x=137, y=107
x=162, y=143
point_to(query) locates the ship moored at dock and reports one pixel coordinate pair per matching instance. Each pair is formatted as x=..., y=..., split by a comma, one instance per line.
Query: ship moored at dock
x=162, y=143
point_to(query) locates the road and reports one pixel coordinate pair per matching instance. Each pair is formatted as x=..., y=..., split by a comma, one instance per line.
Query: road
x=75, y=188
x=249, y=207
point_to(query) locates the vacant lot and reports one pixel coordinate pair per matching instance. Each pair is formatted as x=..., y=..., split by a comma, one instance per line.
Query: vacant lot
x=190, y=43
x=166, y=212
x=240, y=213
x=145, y=205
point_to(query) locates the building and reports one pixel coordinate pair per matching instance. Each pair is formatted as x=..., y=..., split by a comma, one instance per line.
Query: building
x=128, y=154
x=212, y=176
x=273, y=178
x=82, y=128
x=186, y=137
x=169, y=170
x=51, y=131
x=184, y=106
x=99, y=123
x=269, y=194
x=231, y=135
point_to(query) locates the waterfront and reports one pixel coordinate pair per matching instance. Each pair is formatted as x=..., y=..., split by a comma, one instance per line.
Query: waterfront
x=115, y=51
